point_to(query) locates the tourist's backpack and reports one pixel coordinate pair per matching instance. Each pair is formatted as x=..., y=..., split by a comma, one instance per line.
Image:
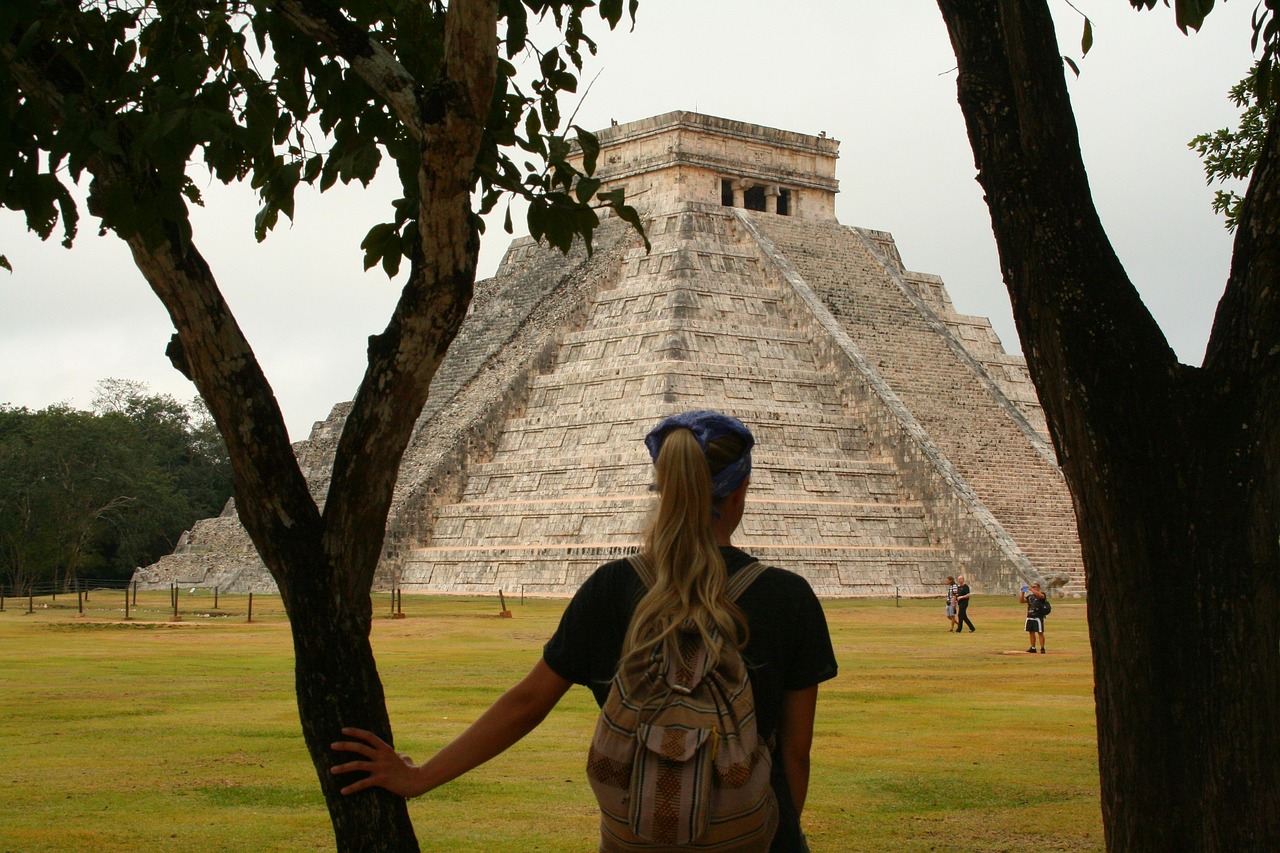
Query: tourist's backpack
x=1045, y=607
x=676, y=760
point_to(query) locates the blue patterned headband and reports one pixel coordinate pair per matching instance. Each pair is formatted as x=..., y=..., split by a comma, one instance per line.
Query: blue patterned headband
x=708, y=426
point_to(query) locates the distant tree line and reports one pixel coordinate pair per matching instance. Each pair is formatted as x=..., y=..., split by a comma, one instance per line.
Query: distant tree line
x=95, y=494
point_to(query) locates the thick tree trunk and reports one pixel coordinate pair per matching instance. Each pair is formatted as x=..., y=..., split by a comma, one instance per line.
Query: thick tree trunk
x=338, y=685
x=336, y=677
x=1171, y=468
x=324, y=564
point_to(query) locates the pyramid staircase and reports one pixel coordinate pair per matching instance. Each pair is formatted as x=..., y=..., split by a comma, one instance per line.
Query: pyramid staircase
x=692, y=324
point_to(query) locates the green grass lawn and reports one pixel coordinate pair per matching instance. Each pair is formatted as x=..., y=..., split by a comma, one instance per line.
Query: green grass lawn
x=183, y=736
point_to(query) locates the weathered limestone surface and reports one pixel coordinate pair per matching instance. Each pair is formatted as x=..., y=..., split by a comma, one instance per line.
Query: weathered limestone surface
x=897, y=442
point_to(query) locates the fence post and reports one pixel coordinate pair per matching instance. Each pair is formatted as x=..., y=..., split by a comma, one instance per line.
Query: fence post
x=31, y=599
x=80, y=601
x=126, y=603
x=135, y=593
x=215, y=597
x=250, y=619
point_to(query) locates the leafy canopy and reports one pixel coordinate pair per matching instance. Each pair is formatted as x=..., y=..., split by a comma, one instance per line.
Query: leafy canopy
x=101, y=492
x=232, y=85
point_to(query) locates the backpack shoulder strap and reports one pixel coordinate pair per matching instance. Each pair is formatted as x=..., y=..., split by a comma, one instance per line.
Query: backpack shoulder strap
x=743, y=578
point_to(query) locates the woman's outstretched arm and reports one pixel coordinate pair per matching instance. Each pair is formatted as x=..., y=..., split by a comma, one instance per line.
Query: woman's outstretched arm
x=516, y=713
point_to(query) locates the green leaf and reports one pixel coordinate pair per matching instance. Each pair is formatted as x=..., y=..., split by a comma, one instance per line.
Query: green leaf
x=1190, y=14
x=4, y=262
x=590, y=146
x=517, y=29
x=1086, y=40
x=377, y=237
x=392, y=252
x=611, y=11
x=265, y=221
x=1075, y=69
x=586, y=188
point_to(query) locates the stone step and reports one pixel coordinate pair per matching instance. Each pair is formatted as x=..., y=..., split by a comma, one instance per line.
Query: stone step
x=823, y=382
x=558, y=571
x=567, y=432
x=727, y=382
x=664, y=393
x=632, y=473
x=619, y=520
x=686, y=258
x=731, y=295
x=698, y=328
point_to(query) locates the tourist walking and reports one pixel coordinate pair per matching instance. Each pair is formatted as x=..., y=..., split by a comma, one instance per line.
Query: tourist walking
x=1037, y=608
x=952, y=587
x=962, y=607
x=702, y=466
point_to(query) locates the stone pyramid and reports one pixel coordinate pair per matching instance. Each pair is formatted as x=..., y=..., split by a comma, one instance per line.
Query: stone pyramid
x=897, y=443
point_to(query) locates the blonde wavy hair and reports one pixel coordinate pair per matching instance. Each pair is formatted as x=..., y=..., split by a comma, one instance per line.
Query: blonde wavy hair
x=690, y=576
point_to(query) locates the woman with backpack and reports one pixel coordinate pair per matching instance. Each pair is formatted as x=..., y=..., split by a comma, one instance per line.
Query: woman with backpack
x=673, y=603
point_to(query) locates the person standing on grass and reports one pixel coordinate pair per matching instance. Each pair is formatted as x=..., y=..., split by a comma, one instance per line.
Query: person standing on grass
x=952, y=589
x=702, y=463
x=962, y=605
x=1034, y=599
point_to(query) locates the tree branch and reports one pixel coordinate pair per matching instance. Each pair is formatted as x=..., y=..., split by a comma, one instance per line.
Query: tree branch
x=1245, y=340
x=1071, y=297
x=273, y=499
x=369, y=58
x=403, y=359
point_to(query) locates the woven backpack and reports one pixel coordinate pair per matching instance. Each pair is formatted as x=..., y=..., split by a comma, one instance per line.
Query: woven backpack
x=676, y=762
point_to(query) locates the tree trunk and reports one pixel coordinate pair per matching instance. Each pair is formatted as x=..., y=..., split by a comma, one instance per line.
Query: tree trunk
x=1171, y=468
x=323, y=563
x=338, y=685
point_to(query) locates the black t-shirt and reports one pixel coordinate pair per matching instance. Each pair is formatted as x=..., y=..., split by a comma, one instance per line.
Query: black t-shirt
x=788, y=645
x=788, y=648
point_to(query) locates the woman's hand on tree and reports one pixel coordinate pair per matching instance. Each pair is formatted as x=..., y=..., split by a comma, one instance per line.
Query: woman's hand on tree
x=387, y=768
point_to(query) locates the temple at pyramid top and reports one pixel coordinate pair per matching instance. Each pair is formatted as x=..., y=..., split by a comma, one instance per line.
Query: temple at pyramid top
x=897, y=442
x=683, y=156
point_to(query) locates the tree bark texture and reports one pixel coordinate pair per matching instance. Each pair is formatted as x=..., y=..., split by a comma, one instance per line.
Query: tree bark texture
x=1172, y=469
x=324, y=564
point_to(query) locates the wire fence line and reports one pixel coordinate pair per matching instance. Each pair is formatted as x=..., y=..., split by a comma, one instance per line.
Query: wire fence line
x=124, y=601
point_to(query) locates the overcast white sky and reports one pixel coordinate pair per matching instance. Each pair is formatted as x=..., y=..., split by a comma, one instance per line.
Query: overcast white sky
x=878, y=75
